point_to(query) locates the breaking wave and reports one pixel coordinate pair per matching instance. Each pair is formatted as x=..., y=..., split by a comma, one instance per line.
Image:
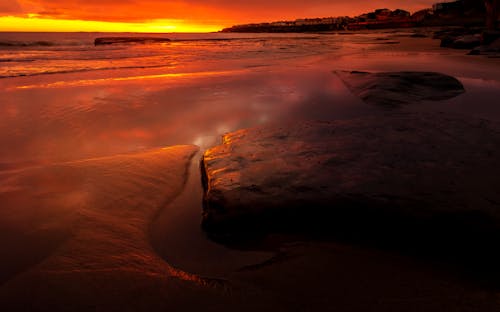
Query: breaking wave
x=78, y=70
x=39, y=43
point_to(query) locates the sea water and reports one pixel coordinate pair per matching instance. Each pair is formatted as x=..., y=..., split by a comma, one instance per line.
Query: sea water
x=63, y=99
x=26, y=54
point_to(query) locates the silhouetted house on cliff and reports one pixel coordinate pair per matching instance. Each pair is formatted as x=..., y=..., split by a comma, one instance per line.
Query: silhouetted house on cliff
x=459, y=7
x=422, y=15
x=460, y=13
x=382, y=18
x=447, y=7
x=382, y=14
x=398, y=13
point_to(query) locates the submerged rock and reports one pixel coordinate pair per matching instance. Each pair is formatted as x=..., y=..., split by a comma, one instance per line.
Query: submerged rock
x=461, y=42
x=393, y=89
x=362, y=175
x=115, y=40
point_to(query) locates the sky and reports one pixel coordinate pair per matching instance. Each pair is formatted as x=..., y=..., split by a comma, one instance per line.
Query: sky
x=176, y=15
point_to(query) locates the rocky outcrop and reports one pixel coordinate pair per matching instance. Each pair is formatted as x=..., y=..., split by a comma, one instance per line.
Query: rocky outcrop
x=461, y=42
x=492, y=13
x=492, y=49
x=399, y=173
x=459, y=38
x=393, y=89
x=489, y=36
x=124, y=40
x=490, y=44
x=479, y=41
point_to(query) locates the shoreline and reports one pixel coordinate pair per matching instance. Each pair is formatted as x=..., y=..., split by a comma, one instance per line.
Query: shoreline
x=288, y=247
x=283, y=272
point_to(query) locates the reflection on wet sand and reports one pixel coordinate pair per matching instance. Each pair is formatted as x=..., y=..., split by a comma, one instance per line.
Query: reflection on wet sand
x=61, y=124
x=88, y=82
x=78, y=229
x=94, y=215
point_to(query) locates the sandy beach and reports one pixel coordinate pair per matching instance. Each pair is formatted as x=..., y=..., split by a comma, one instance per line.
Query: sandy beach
x=101, y=193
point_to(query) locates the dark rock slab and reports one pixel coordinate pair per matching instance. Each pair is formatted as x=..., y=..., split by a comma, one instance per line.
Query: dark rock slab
x=459, y=38
x=491, y=50
x=125, y=40
x=489, y=36
x=456, y=32
x=393, y=89
x=402, y=172
x=461, y=42
x=467, y=42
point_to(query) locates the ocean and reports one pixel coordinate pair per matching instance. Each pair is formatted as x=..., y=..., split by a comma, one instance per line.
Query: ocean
x=63, y=98
x=61, y=86
x=27, y=54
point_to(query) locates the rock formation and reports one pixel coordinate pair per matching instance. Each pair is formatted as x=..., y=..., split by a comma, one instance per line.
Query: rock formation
x=392, y=89
x=366, y=175
x=492, y=49
x=492, y=13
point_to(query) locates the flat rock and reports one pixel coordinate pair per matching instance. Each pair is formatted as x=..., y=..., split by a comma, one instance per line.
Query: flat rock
x=123, y=40
x=393, y=89
x=363, y=173
x=467, y=42
x=461, y=42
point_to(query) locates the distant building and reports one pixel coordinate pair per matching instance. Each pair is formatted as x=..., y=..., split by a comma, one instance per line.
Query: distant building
x=382, y=14
x=422, y=15
x=444, y=7
x=400, y=13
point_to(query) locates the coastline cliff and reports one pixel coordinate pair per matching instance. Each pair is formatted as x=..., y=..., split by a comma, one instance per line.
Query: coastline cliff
x=458, y=13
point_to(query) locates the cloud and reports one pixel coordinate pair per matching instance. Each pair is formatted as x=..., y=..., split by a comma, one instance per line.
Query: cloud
x=201, y=10
x=9, y=7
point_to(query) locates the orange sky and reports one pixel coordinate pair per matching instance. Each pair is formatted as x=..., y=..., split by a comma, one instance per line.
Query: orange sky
x=177, y=15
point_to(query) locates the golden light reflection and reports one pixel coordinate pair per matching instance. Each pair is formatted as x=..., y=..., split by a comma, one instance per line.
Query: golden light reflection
x=34, y=22
x=86, y=82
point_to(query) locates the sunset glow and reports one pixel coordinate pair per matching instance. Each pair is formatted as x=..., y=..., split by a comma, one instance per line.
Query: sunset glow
x=88, y=82
x=173, y=16
x=249, y=155
x=11, y=23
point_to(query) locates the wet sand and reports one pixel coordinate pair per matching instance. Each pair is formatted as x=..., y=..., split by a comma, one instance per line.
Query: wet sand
x=306, y=274
x=95, y=215
x=88, y=230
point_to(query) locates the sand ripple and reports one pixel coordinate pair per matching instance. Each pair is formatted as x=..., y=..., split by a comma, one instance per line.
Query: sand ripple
x=94, y=215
